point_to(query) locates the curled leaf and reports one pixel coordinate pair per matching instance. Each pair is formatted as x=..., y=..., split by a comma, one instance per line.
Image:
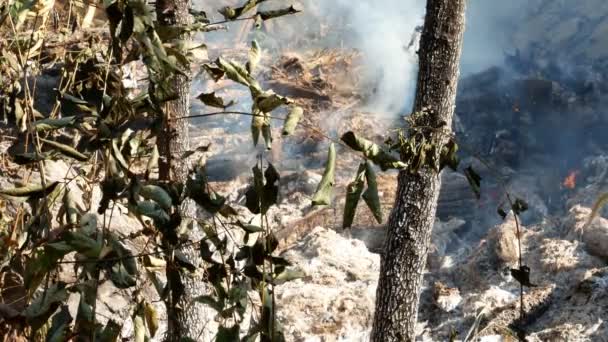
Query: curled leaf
x=372, y=152
x=35, y=191
x=52, y=124
x=269, y=101
x=211, y=99
x=371, y=193
x=151, y=318
x=323, y=193
x=289, y=274
x=66, y=150
x=158, y=195
x=265, y=15
x=353, y=195
x=293, y=117
x=254, y=57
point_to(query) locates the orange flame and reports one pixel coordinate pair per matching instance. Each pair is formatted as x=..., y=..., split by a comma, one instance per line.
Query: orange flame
x=570, y=180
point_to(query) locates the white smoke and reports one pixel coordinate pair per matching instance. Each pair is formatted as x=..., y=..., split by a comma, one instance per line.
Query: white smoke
x=382, y=30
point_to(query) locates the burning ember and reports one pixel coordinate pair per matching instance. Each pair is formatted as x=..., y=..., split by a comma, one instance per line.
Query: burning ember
x=570, y=180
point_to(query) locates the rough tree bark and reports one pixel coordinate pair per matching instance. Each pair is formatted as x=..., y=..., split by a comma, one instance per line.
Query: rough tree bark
x=185, y=319
x=413, y=215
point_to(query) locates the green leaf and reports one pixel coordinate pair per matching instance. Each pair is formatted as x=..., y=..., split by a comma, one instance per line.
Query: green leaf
x=158, y=195
x=45, y=125
x=371, y=193
x=110, y=332
x=210, y=99
x=448, y=156
x=127, y=24
x=151, y=318
x=292, y=120
x=35, y=191
x=59, y=326
x=474, y=181
x=154, y=211
x=74, y=99
x=231, y=13
x=71, y=211
x=43, y=261
x=265, y=15
x=353, y=194
x=322, y=195
x=372, y=152
x=139, y=328
x=289, y=274
x=255, y=56
x=227, y=334
x=267, y=135
x=235, y=72
x=250, y=228
x=216, y=73
x=83, y=244
x=258, y=121
x=45, y=304
x=118, y=155
x=198, y=190
x=66, y=150
x=123, y=272
x=269, y=101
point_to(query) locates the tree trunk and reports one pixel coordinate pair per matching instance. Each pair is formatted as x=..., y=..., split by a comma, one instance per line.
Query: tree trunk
x=413, y=215
x=185, y=319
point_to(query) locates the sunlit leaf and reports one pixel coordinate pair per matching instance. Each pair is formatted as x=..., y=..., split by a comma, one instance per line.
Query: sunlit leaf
x=151, y=318
x=269, y=101
x=265, y=15
x=32, y=190
x=289, y=274
x=154, y=211
x=139, y=328
x=211, y=99
x=372, y=152
x=323, y=193
x=254, y=57
x=118, y=155
x=158, y=195
x=353, y=195
x=71, y=211
x=371, y=193
x=66, y=150
x=449, y=157
x=293, y=117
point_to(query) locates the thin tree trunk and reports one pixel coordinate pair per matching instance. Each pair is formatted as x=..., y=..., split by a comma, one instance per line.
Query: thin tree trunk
x=413, y=215
x=185, y=319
